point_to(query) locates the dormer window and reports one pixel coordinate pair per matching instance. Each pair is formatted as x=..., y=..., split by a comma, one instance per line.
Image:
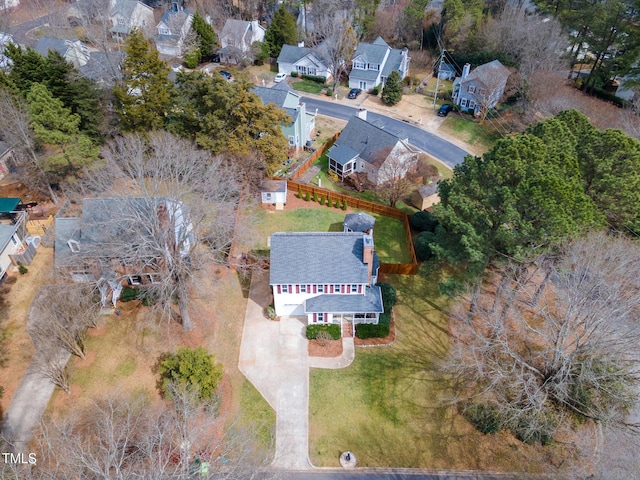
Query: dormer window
x=74, y=246
x=120, y=21
x=164, y=31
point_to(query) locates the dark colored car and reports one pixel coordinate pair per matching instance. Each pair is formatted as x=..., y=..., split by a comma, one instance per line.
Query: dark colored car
x=444, y=110
x=226, y=75
x=354, y=92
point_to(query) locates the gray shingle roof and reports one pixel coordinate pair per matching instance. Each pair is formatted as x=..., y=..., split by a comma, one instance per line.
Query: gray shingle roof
x=342, y=154
x=274, y=186
x=372, y=143
x=428, y=190
x=291, y=53
x=277, y=96
x=489, y=73
x=372, y=52
x=66, y=229
x=393, y=62
x=103, y=67
x=368, y=75
x=370, y=302
x=359, y=221
x=48, y=43
x=6, y=232
x=317, y=257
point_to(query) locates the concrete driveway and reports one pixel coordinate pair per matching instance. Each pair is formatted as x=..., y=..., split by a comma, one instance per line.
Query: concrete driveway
x=274, y=358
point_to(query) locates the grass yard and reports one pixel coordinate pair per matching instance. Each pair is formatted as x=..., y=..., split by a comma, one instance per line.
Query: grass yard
x=307, y=86
x=482, y=137
x=386, y=407
x=388, y=233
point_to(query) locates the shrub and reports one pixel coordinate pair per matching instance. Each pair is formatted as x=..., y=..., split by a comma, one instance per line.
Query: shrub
x=332, y=329
x=484, y=418
x=329, y=92
x=450, y=287
x=22, y=269
x=333, y=176
x=192, y=58
x=344, y=204
x=128, y=294
x=314, y=78
x=323, y=338
x=294, y=74
x=271, y=312
x=192, y=368
x=423, y=222
x=422, y=245
x=328, y=202
x=335, y=204
x=315, y=197
x=381, y=330
x=299, y=192
x=389, y=295
x=307, y=197
x=149, y=297
x=392, y=91
x=375, y=90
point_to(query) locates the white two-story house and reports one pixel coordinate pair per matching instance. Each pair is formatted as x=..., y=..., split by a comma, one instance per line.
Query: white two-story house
x=173, y=30
x=237, y=37
x=374, y=62
x=328, y=277
x=479, y=90
x=126, y=15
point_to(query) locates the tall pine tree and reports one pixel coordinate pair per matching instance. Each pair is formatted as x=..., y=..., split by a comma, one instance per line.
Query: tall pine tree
x=143, y=95
x=392, y=91
x=282, y=31
x=207, y=40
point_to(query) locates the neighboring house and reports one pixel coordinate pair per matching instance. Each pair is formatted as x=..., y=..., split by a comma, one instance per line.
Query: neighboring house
x=7, y=162
x=426, y=196
x=173, y=30
x=126, y=15
x=359, y=222
x=73, y=50
x=274, y=192
x=303, y=123
x=364, y=147
x=327, y=277
x=624, y=90
x=236, y=39
x=84, y=250
x=104, y=68
x=12, y=232
x=481, y=89
x=446, y=71
x=5, y=39
x=374, y=62
x=304, y=60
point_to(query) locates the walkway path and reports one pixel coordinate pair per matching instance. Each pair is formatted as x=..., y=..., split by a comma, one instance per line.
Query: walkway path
x=273, y=356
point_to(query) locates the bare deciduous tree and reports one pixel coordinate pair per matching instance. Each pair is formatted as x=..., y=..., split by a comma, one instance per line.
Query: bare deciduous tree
x=123, y=438
x=539, y=358
x=394, y=182
x=182, y=216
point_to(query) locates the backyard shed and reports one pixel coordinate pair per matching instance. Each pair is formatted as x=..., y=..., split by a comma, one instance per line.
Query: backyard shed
x=274, y=192
x=426, y=196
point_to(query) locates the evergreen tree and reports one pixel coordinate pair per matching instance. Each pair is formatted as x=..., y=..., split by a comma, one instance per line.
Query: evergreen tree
x=191, y=368
x=207, y=39
x=392, y=91
x=143, y=95
x=282, y=31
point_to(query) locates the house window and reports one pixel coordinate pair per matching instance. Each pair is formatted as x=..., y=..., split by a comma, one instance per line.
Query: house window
x=13, y=240
x=359, y=65
x=268, y=195
x=354, y=288
x=153, y=278
x=336, y=289
x=472, y=104
x=482, y=91
x=463, y=103
x=320, y=317
x=73, y=245
x=120, y=21
x=135, y=280
x=373, y=66
x=164, y=31
x=292, y=140
x=320, y=288
x=471, y=89
x=285, y=288
x=362, y=85
x=303, y=289
x=144, y=23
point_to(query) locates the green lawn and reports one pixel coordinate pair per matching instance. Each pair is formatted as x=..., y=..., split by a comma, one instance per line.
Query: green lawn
x=388, y=233
x=307, y=86
x=386, y=407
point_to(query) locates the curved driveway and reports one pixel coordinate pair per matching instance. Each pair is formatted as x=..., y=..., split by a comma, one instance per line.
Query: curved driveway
x=435, y=146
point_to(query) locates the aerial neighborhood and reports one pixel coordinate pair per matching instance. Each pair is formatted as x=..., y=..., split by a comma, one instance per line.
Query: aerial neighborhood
x=254, y=239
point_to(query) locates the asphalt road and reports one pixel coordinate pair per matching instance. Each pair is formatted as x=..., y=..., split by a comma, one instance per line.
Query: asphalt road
x=391, y=474
x=435, y=146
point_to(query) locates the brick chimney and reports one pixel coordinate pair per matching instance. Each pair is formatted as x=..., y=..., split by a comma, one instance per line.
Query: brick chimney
x=367, y=254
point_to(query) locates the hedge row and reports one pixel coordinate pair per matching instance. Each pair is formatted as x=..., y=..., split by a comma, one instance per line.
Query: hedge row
x=369, y=330
x=314, y=78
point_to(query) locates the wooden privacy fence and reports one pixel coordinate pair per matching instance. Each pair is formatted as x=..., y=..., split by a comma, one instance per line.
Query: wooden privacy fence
x=354, y=202
x=316, y=155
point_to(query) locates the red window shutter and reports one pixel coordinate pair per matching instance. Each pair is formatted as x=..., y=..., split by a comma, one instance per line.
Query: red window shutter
x=315, y=318
x=343, y=289
x=359, y=288
x=279, y=289
x=297, y=288
x=331, y=287
x=315, y=287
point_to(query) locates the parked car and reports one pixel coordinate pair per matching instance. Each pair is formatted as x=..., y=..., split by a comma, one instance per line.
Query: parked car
x=226, y=75
x=445, y=109
x=280, y=77
x=354, y=92
x=176, y=67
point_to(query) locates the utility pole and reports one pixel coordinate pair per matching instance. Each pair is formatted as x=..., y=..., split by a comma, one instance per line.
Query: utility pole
x=438, y=65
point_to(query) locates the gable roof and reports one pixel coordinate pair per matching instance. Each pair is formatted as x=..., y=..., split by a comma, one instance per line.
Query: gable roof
x=372, y=52
x=127, y=7
x=293, y=54
x=371, y=143
x=370, y=302
x=428, y=189
x=239, y=29
x=278, y=96
x=488, y=73
x=318, y=257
